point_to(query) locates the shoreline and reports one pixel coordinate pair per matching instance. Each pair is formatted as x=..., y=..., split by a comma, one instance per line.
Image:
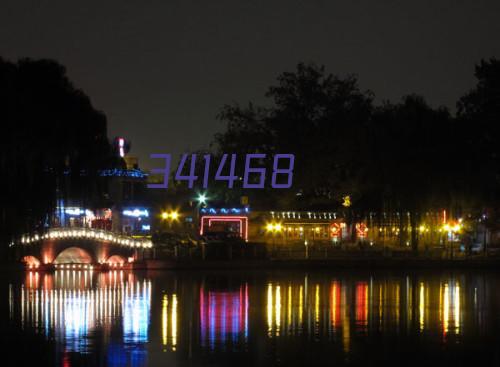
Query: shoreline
x=357, y=263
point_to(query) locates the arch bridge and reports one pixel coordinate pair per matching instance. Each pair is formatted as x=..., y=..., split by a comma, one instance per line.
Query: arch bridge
x=79, y=248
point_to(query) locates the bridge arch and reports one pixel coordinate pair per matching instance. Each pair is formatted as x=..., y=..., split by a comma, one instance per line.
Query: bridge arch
x=116, y=259
x=74, y=255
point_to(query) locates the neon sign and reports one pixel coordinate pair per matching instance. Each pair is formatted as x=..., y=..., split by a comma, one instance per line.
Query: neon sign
x=136, y=213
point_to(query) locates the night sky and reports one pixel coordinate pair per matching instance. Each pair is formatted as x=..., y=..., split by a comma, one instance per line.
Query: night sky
x=161, y=70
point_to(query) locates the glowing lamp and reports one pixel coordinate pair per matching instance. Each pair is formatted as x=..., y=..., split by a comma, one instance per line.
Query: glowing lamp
x=201, y=199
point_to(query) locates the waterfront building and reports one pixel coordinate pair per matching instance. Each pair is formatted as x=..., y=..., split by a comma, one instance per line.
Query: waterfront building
x=225, y=222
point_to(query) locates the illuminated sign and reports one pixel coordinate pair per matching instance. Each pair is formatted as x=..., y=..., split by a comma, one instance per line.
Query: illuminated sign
x=361, y=229
x=336, y=229
x=242, y=222
x=74, y=211
x=136, y=212
x=224, y=210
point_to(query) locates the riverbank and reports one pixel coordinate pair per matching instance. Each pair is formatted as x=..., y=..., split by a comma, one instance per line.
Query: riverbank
x=343, y=263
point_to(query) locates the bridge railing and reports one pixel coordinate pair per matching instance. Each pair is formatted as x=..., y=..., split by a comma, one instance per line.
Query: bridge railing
x=84, y=233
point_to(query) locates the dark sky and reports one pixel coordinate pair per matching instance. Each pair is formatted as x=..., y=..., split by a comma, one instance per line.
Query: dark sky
x=160, y=70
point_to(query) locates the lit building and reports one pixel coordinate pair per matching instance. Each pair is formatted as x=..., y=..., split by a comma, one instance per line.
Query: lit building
x=224, y=222
x=298, y=226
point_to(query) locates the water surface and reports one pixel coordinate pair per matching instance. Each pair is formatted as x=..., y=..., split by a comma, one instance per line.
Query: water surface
x=233, y=318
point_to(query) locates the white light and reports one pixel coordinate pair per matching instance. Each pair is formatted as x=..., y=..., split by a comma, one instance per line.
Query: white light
x=136, y=213
x=121, y=145
x=202, y=198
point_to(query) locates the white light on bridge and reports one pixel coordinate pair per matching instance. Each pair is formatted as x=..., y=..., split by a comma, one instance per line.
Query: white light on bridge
x=89, y=234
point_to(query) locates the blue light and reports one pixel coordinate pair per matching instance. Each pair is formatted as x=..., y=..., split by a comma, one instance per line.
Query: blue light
x=74, y=211
x=134, y=173
x=137, y=212
x=224, y=210
x=136, y=309
x=145, y=227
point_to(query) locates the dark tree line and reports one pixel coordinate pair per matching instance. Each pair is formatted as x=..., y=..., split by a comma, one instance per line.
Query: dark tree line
x=404, y=156
x=52, y=138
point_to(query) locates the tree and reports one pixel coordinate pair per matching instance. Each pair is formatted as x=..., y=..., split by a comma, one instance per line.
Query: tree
x=478, y=120
x=53, y=141
x=316, y=116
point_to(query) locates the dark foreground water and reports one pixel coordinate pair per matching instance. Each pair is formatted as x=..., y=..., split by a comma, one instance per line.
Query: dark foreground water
x=76, y=318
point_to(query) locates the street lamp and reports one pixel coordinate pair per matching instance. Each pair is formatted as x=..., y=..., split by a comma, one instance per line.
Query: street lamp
x=171, y=216
x=201, y=199
x=274, y=228
x=451, y=230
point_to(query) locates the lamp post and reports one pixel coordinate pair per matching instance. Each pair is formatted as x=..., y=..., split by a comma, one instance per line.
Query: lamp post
x=202, y=199
x=451, y=230
x=170, y=216
x=274, y=228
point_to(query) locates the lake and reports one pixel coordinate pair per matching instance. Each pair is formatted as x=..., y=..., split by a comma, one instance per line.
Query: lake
x=262, y=318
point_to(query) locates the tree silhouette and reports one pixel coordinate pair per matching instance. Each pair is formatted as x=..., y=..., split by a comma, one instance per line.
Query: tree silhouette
x=53, y=141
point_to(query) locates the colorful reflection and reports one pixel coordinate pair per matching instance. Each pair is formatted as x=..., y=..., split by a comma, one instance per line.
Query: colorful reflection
x=338, y=308
x=136, y=310
x=362, y=306
x=223, y=317
x=85, y=310
x=72, y=306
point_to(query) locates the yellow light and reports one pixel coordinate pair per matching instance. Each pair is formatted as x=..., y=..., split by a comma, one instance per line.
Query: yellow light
x=277, y=227
x=446, y=227
x=269, y=227
x=421, y=228
x=164, y=215
x=456, y=228
x=174, y=215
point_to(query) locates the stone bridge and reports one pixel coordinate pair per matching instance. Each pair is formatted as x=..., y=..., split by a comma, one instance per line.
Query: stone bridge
x=79, y=246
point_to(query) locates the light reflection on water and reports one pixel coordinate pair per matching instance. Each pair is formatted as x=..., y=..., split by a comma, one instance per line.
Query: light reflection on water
x=71, y=306
x=223, y=317
x=137, y=320
x=326, y=309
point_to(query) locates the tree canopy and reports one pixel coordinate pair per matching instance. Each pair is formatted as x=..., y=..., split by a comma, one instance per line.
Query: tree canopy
x=52, y=137
x=401, y=156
